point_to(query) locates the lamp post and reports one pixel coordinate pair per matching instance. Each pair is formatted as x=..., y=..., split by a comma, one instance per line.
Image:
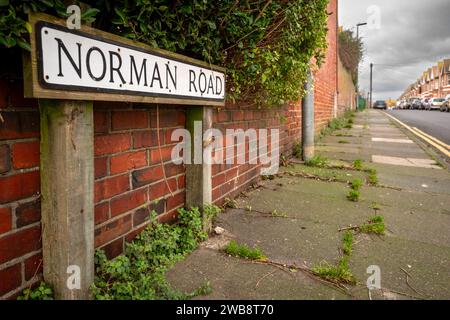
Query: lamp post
x=357, y=67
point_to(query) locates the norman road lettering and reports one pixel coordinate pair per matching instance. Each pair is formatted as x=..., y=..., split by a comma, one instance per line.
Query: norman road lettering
x=72, y=60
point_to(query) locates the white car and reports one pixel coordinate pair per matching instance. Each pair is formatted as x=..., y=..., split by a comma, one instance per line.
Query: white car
x=435, y=103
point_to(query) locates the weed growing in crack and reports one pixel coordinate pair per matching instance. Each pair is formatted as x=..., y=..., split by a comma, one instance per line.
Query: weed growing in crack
x=277, y=214
x=356, y=184
x=230, y=203
x=375, y=225
x=354, y=193
x=244, y=251
x=357, y=164
x=317, y=161
x=343, y=142
x=373, y=178
x=348, y=243
x=340, y=273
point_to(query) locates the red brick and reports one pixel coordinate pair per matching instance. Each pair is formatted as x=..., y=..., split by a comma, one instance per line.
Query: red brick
x=33, y=266
x=146, y=176
x=181, y=182
x=216, y=194
x=160, y=189
x=16, y=95
x=248, y=115
x=238, y=115
x=168, y=118
x=112, y=230
x=101, y=213
x=101, y=122
x=19, y=186
x=25, y=155
x=127, y=161
x=108, y=188
x=19, y=243
x=100, y=167
x=114, y=248
x=166, y=153
x=5, y=159
x=224, y=116
x=142, y=215
x=169, y=217
x=174, y=169
x=129, y=120
x=11, y=278
x=181, y=118
x=113, y=143
x=133, y=234
x=144, y=139
x=175, y=201
x=5, y=220
x=28, y=213
x=217, y=180
x=18, y=125
x=129, y=201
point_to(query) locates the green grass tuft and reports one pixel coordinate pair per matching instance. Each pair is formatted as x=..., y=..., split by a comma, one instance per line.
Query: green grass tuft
x=357, y=164
x=348, y=243
x=338, y=274
x=244, y=251
x=356, y=184
x=375, y=225
x=353, y=195
x=317, y=161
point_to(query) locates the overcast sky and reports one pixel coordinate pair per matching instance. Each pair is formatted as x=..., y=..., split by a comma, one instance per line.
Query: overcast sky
x=411, y=37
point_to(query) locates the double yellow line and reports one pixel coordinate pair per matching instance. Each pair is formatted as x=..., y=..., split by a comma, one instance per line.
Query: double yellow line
x=438, y=144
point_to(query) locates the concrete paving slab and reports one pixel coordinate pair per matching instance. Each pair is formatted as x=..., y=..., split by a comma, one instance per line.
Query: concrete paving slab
x=406, y=162
x=392, y=140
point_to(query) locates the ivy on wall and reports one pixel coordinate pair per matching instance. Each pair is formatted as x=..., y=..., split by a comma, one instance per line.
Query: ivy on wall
x=266, y=45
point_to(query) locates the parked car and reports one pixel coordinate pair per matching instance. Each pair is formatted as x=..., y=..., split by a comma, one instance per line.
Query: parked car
x=416, y=104
x=403, y=104
x=436, y=103
x=424, y=103
x=446, y=105
x=410, y=103
x=379, y=104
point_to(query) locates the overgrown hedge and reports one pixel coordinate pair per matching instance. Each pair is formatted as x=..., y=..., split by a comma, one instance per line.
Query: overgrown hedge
x=265, y=45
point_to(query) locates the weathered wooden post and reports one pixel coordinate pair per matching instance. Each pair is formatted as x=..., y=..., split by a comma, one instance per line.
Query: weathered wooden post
x=68, y=70
x=67, y=187
x=199, y=172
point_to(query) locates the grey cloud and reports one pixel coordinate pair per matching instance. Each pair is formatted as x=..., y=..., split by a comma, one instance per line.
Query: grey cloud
x=414, y=34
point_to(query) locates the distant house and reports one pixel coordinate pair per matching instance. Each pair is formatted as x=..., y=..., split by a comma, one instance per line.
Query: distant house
x=444, y=72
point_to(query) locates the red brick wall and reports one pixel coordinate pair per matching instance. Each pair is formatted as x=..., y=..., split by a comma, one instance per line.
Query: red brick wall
x=129, y=178
x=20, y=231
x=230, y=180
x=325, y=85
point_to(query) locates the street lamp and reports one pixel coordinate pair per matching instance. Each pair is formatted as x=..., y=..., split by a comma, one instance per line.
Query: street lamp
x=357, y=67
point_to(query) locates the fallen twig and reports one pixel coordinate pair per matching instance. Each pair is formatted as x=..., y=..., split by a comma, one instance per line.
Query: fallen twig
x=268, y=274
x=408, y=275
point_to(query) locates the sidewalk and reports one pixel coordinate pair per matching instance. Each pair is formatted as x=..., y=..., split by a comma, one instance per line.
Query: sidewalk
x=413, y=196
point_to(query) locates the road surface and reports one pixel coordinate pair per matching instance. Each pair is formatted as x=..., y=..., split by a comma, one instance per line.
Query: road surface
x=434, y=123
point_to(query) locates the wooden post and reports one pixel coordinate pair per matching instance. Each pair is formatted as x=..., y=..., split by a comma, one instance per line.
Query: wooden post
x=67, y=187
x=198, y=173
